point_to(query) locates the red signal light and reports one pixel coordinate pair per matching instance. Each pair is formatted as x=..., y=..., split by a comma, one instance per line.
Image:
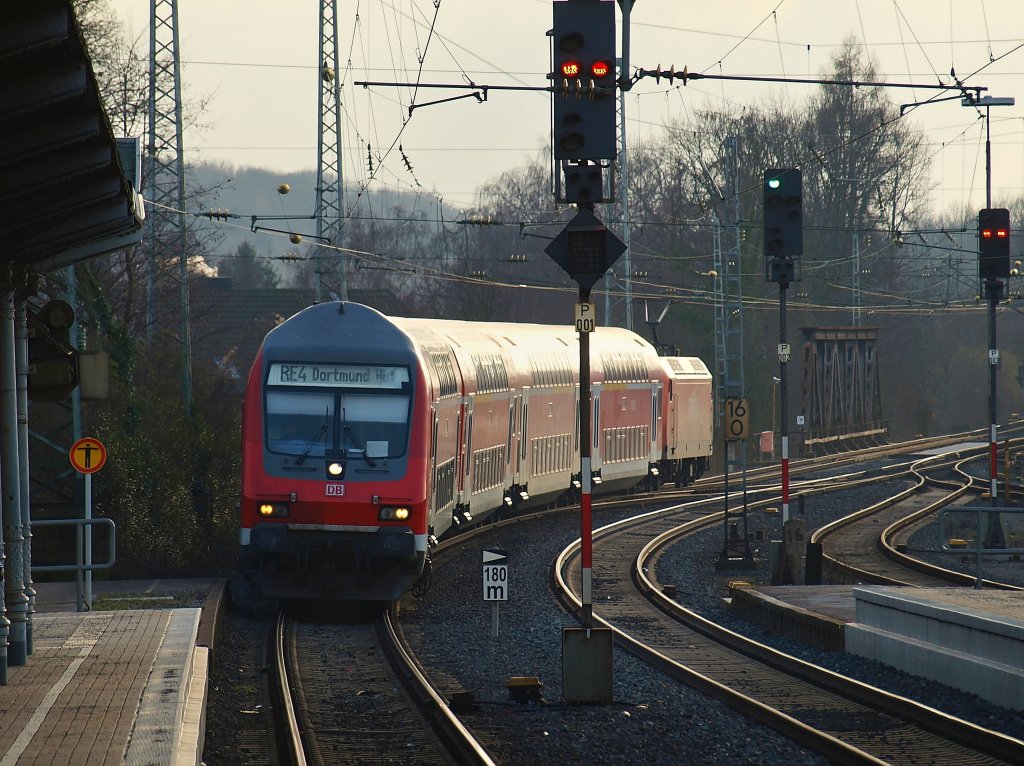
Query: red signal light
x=600, y=68
x=571, y=69
x=1001, y=233
x=986, y=233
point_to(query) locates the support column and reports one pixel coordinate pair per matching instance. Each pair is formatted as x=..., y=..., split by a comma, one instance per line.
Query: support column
x=21, y=372
x=15, y=600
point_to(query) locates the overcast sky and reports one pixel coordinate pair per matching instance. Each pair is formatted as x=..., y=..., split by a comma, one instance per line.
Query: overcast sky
x=256, y=61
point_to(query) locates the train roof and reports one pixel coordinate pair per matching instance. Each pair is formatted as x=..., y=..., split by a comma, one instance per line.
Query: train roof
x=355, y=325
x=323, y=328
x=685, y=368
x=345, y=330
x=531, y=336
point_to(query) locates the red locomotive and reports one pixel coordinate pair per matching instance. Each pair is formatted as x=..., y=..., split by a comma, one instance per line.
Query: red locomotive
x=366, y=437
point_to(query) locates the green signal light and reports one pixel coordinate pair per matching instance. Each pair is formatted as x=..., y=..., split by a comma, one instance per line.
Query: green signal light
x=774, y=183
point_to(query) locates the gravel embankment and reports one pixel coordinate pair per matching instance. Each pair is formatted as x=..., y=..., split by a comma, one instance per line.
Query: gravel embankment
x=652, y=720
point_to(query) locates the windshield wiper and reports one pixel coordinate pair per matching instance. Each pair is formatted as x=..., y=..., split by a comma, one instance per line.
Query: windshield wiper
x=355, y=440
x=320, y=435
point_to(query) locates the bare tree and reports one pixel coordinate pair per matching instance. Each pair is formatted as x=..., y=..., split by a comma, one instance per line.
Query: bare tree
x=868, y=179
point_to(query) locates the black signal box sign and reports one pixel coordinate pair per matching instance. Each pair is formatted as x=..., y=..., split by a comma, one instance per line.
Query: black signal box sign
x=585, y=249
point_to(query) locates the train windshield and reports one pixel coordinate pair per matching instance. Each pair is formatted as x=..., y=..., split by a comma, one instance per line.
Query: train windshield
x=300, y=423
x=337, y=421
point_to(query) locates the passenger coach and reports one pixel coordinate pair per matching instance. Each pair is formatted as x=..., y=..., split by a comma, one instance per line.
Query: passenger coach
x=366, y=438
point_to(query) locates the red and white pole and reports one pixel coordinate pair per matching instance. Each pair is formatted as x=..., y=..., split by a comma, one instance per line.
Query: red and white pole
x=586, y=439
x=587, y=546
x=784, y=354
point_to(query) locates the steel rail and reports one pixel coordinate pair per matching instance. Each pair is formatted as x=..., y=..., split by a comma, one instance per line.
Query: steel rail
x=460, y=742
x=888, y=548
x=290, y=735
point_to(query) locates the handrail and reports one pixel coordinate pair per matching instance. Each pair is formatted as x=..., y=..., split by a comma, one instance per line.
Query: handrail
x=79, y=524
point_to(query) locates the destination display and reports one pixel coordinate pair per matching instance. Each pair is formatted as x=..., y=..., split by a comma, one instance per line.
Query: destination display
x=337, y=375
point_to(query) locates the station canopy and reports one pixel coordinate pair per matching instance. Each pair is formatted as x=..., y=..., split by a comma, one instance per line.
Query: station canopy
x=64, y=196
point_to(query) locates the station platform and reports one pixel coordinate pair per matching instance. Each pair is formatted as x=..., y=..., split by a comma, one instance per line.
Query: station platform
x=814, y=614
x=122, y=684
x=968, y=639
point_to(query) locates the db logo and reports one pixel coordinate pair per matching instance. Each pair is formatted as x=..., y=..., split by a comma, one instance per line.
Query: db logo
x=334, y=490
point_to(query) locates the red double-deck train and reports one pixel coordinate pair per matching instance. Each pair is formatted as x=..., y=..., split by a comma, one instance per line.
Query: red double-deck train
x=366, y=438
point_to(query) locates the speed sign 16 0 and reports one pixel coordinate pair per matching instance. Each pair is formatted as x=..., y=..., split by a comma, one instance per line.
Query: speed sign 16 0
x=737, y=419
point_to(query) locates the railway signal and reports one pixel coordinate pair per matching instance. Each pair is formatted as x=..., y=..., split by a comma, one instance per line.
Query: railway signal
x=584, y=79
x=53, y=360
x=783, y=243
x=783, y=212
x=994, y=243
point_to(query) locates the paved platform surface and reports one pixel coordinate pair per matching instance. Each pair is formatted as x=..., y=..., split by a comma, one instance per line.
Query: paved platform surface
x=1002, y=603
x=119, y=686
x=837, y=601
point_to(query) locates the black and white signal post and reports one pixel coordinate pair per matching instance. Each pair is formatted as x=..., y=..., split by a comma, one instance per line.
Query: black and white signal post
x=994, y=273
x=585, y=249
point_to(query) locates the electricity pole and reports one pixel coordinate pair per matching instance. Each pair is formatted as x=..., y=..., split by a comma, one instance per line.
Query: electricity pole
x=165, y=168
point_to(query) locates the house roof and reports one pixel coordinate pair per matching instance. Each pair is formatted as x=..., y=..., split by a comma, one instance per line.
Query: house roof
x=229, y=323
x=64, y=195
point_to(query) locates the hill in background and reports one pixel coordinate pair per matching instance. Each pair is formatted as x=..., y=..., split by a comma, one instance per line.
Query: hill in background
x=248, y=192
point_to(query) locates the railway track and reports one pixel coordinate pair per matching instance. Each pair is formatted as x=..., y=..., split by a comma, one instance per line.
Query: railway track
x=845, y=720
x=865, y=547
x=811, y=711
x=848, y=721
x=349, y=692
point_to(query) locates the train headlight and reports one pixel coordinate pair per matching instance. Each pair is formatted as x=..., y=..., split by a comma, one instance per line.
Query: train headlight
x=268, y=510
x=335, y=470
x=393, y=513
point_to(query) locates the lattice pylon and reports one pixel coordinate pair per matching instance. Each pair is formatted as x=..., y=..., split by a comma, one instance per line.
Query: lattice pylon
x=330, y=260
x=165, y=173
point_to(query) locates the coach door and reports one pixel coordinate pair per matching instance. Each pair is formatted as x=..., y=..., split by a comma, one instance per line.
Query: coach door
x=437, y=525
x=466, y=451
x=515, y=435
x=524, y=438
x=671, y=441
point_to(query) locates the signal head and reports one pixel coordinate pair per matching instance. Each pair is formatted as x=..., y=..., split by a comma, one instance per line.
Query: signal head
x=994, y=244
x=584, y=56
